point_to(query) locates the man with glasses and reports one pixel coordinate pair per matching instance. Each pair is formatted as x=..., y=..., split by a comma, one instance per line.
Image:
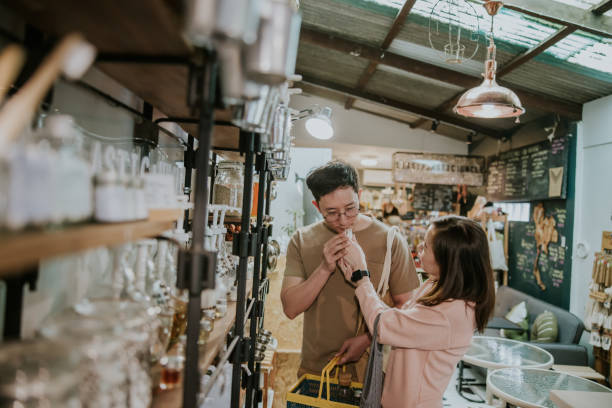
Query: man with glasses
x=313, y=284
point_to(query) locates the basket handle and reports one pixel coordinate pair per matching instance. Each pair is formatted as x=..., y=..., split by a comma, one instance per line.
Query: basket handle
x=325, y=375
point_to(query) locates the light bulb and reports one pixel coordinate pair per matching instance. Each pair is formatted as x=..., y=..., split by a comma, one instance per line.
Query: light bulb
x=320, y=127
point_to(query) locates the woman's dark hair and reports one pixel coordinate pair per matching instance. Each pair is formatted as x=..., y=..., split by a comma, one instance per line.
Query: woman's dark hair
x=331, y=176
x=461, y=250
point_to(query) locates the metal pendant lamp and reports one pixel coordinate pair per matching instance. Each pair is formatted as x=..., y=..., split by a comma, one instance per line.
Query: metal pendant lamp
x=490, y=100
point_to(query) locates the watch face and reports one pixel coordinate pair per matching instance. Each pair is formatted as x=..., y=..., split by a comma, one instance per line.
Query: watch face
x=357, y=275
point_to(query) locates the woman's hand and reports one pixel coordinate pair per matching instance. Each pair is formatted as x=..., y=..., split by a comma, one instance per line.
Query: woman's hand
x=353, y=260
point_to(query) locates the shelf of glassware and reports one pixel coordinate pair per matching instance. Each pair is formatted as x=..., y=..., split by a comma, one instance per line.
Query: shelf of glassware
x=22, y=250
x=208, y=352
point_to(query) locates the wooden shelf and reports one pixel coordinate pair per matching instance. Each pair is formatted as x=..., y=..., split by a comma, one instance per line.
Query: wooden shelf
x=22, y=250
x=208, y=352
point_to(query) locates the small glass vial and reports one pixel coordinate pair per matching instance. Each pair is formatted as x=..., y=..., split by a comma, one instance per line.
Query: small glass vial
x=109, y=197
x=221, y=308
x=210, y=315
x=172, y=365
x=206, y=327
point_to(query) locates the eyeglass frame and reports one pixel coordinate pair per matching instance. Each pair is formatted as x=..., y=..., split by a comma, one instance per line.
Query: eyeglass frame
x=336, y=216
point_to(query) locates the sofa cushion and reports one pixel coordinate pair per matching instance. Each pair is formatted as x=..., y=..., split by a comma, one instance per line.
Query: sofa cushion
x=545, y=328
x=518, y=315
x=570, y=326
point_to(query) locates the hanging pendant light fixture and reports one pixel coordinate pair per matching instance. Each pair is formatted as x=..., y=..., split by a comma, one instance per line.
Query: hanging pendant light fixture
x=490, y=100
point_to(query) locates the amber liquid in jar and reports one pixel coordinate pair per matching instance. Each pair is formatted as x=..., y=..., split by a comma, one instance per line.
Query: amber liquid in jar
x=170, y=378
x=179, y=322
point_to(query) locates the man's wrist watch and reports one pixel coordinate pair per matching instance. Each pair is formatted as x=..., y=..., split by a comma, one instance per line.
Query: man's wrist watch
x=358, y=274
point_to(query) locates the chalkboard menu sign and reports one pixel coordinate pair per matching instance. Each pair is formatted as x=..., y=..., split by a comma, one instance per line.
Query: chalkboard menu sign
x=534, y=172
x=433, y=197
x=552, y=280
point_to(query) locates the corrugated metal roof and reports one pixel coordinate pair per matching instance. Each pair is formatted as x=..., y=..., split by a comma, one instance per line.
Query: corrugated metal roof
x=559, y=82
x=411, y=89
x=329, y=65
x=564, y=71
x=348, y=20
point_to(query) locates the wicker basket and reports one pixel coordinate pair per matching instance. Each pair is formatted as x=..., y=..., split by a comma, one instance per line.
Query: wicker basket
x=319, y=391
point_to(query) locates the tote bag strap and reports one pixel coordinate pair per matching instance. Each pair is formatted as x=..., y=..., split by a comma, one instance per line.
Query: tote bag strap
x=383, y=285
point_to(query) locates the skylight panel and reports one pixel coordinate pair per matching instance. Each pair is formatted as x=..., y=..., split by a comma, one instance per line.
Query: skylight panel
x=583, y=4
x=517, y=29
x=585, y=49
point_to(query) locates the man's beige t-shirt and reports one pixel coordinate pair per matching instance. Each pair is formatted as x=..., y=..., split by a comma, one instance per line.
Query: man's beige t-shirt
x=334, y=315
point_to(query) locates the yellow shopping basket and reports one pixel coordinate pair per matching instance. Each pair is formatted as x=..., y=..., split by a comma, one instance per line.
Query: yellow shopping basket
x=319, y=392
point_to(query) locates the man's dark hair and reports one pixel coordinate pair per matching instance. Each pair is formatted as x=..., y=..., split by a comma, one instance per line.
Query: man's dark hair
x=331, y=176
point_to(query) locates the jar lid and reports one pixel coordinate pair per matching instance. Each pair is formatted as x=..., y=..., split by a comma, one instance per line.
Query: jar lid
x=106, y=177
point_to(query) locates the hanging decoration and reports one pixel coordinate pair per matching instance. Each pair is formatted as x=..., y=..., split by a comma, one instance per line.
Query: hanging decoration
x=490, y=100
x=454, y=29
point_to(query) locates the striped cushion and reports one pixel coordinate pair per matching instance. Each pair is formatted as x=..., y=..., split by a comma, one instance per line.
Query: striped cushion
x=545, y=328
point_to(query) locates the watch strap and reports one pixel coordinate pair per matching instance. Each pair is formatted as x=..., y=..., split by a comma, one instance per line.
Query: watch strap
x=358, y=274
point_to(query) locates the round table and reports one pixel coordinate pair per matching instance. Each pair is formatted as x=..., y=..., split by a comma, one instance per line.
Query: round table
x=498, y=352
x=530, y=387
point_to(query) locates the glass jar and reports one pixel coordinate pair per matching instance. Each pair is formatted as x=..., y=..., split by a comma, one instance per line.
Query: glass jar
x=40, y=373
x=228, y=184
x=105, y=382
x=172, y=365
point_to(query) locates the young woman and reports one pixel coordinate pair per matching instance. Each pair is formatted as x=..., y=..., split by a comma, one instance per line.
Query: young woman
x=430, y=333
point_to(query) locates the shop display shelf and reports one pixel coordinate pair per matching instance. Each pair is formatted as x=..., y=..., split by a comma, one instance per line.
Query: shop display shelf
x=208, y=353
x=22, y=250
x=148, y=55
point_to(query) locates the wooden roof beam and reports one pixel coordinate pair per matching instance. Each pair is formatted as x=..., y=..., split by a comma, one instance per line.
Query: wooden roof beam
x=535, y=50
x=570, y=109
x=417, y=110
x=602, y=7
x=565, y=15
x=397, y=25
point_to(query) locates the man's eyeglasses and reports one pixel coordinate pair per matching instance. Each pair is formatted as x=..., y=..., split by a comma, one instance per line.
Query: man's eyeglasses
x=332, y=216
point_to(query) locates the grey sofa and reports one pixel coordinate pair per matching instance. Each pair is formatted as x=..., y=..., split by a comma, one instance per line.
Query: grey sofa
x=566, y=350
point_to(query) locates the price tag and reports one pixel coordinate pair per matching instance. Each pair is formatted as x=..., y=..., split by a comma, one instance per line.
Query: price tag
x=595, y=339
x=605, y=342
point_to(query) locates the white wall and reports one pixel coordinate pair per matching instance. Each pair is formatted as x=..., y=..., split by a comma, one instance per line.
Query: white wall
x=593, y=208
x=360, y=128
x=290, y=195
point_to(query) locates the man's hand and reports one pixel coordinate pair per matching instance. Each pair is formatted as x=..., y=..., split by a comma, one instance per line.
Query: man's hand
x=353, y=348
x=333, y=250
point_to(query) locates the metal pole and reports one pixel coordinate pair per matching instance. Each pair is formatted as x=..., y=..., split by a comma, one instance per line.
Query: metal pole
x=264, y=272
x=207, y=85
x=249, y=144
x=254, y=383
x=188, y=170
x=213, y=176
